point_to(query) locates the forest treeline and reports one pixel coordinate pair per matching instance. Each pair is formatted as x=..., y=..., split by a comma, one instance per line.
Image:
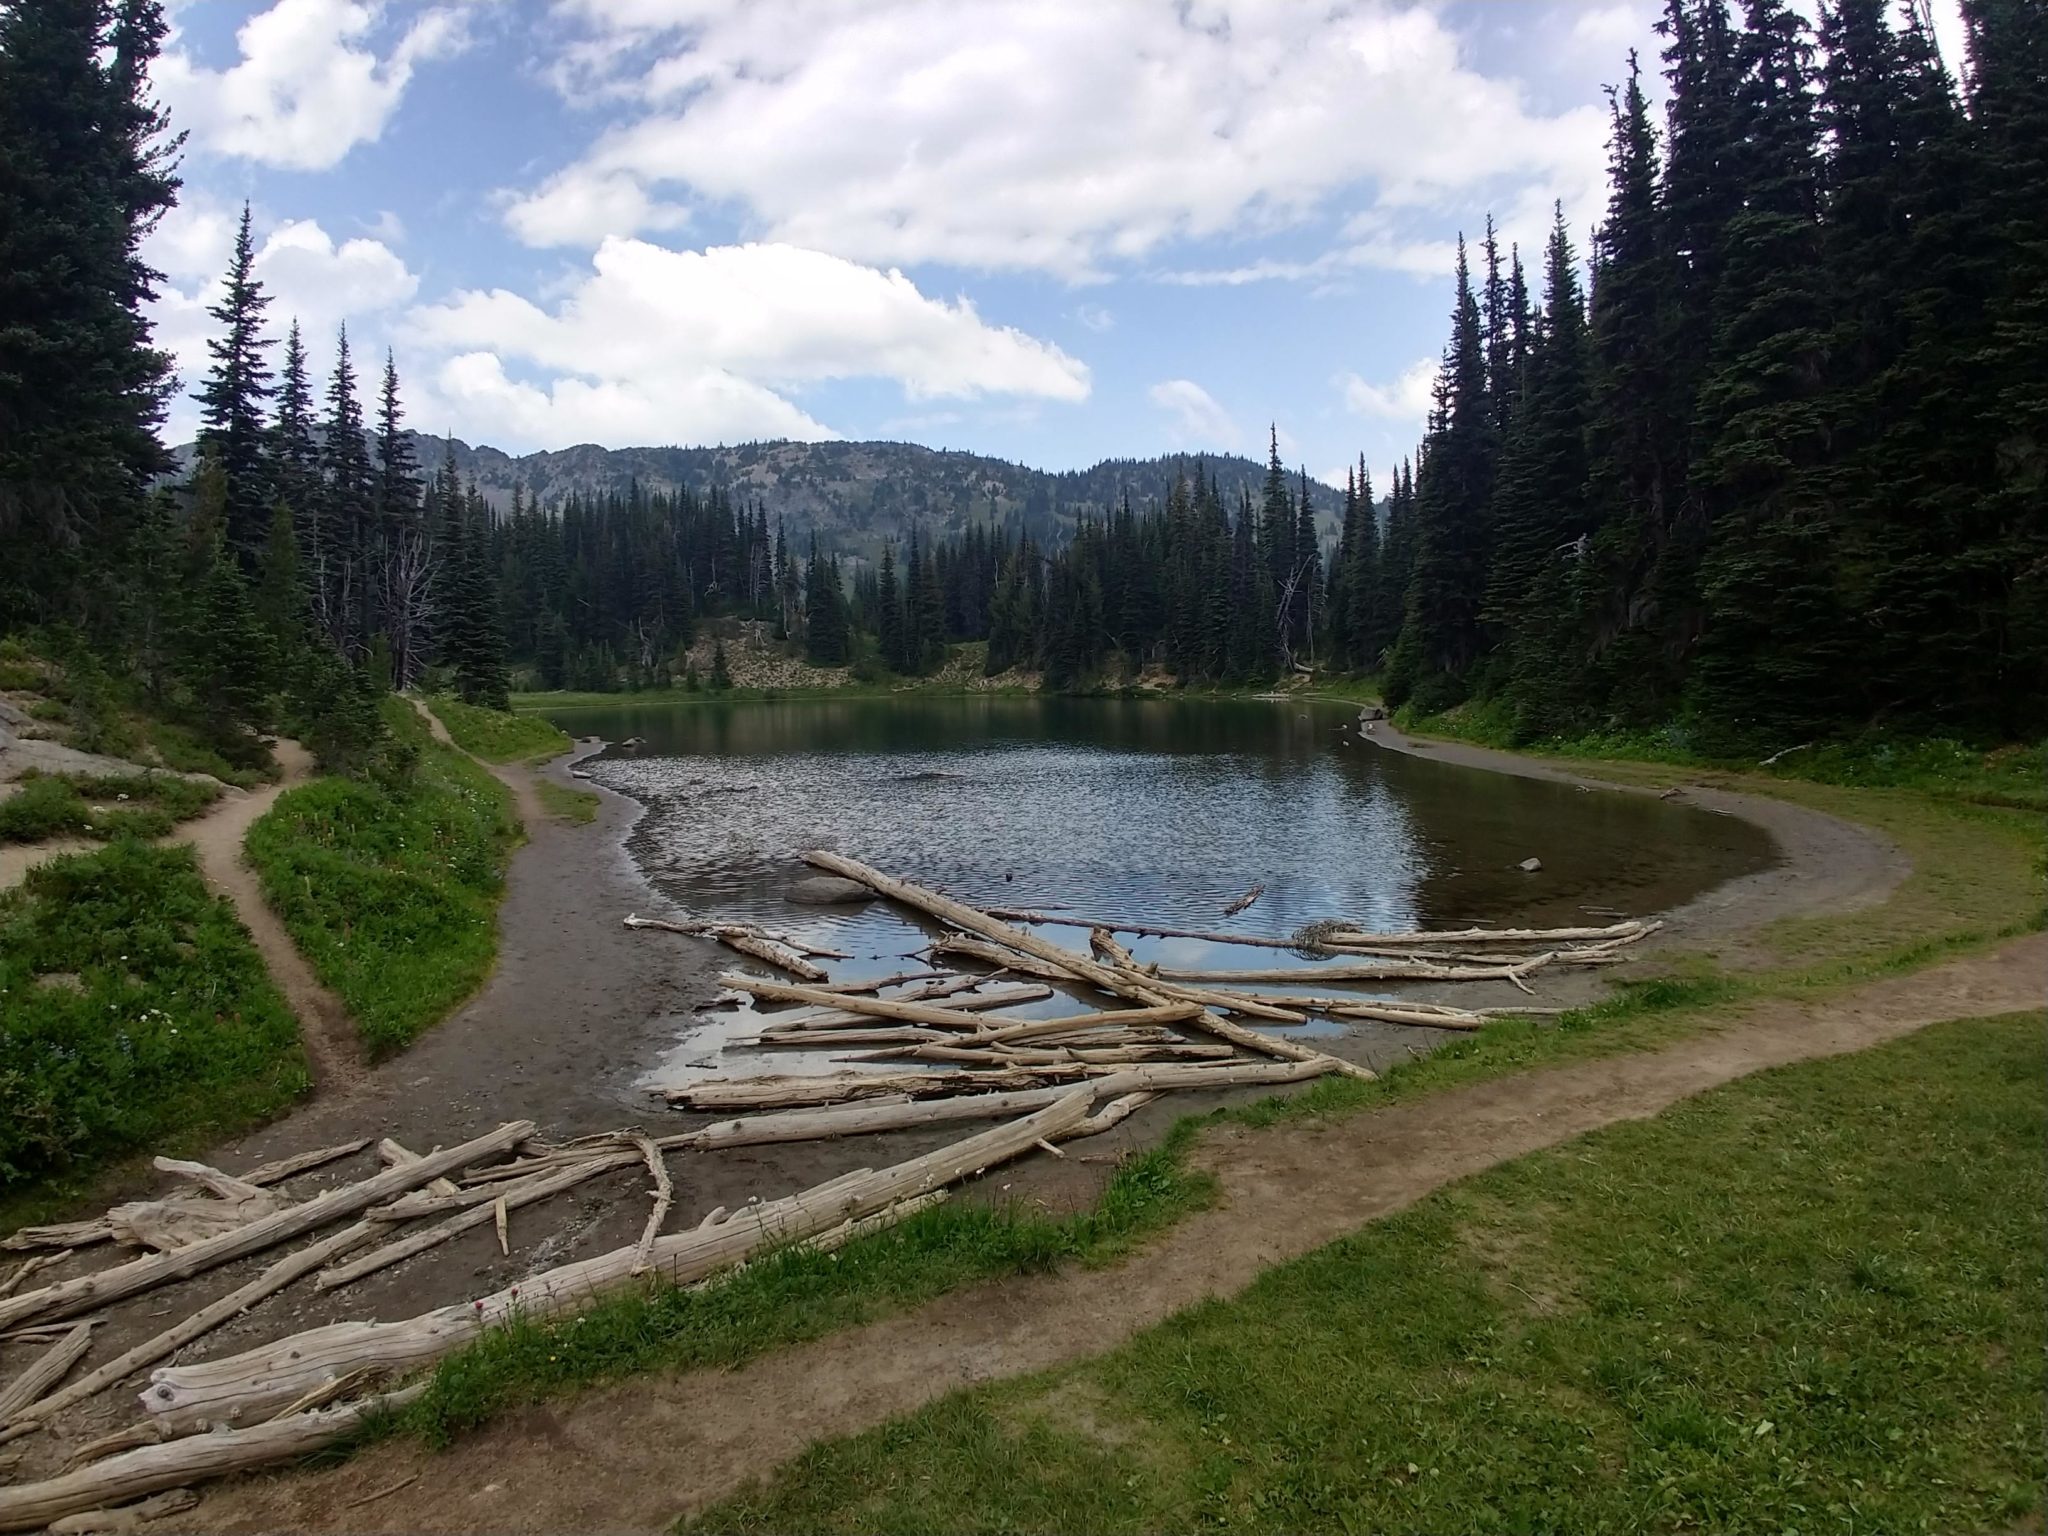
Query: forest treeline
x=1773, y=468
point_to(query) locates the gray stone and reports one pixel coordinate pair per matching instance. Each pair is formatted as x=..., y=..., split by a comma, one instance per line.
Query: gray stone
x=1530, y=866
x=829, y=891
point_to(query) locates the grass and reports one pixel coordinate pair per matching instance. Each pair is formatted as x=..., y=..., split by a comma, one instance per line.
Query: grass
x=2013, y=776
x=104, y=808
x=497, y=736
x=794, y=1295
x=566, y=804
x=137, y=1014
x=391, y=894
x=1809, y=1301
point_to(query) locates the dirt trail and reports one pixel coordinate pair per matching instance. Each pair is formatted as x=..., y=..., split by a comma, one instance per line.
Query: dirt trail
x=333, y=1051
x=520, y=782
x=635, y=1456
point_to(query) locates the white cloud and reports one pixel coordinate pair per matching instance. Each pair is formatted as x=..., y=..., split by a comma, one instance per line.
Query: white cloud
x=307, y=275
x=309, y=85
x=1197, y=420
x=1095, y=317
x=1061, y=135
x=1406, y=400
x=669, y=346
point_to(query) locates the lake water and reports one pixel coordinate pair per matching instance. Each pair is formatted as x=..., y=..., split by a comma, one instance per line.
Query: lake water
x=1156, y=810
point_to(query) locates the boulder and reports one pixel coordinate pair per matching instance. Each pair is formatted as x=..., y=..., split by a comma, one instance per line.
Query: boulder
x=1530, y=866
x=829, y=891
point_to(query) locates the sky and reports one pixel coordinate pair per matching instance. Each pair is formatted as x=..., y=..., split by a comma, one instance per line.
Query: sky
x=1053, y=231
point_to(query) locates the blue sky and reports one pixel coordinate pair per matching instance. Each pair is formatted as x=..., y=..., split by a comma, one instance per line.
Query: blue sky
x=1050, y=230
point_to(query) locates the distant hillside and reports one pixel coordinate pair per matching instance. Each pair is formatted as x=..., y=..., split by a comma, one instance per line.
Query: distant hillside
x=855, y=494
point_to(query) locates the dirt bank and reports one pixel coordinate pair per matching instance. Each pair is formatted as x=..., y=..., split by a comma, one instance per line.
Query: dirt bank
x=635, y=1456
x=1825, y=864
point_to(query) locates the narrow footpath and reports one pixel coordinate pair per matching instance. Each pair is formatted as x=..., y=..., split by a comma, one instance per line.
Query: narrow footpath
x=637, y=1455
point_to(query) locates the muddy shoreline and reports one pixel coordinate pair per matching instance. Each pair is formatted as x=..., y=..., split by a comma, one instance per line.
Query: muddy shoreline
x=579, y=1005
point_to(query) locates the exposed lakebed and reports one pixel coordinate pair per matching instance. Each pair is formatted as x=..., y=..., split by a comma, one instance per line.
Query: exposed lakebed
x=1161, y=811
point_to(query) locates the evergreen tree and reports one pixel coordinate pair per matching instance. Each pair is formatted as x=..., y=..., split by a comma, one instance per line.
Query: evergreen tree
x=721, y=674
x=231, y=401
x=294, y=467
x=339, y=579
x=889, y=601
x=86, y=169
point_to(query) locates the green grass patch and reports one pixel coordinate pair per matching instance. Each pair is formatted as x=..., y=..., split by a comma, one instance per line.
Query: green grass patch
x=1812, y=1300
x=794, y=1295
x=497, y=736
x=136, y=1013
x=566, y=804
x=392, y=893
x=104, y=808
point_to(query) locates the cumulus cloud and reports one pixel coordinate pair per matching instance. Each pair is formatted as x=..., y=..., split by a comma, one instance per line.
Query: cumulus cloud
x=663, y=345
x=1406, y=400
x=309, y=85
x=307, y=273
x=1059, y=135
x=1197, y=420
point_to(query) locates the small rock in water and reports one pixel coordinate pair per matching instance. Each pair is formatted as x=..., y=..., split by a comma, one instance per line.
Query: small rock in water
x=828, y=891
x=1530, y=866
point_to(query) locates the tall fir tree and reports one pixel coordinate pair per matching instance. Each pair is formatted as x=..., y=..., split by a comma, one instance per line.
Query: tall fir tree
x=231, y=400
x=340, y=579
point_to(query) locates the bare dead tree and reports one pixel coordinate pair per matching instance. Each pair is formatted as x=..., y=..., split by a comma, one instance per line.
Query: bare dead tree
x=406, y=600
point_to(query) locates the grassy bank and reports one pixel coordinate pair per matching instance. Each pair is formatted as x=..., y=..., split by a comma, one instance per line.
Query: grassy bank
x=391, y=893
x=137, y=1016
x=498, y=737
x=1812, y=1300
x=566, y=804
x=792, y=1295
x=100, y=807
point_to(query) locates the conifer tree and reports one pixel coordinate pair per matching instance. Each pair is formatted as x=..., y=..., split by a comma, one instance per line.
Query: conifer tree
x=889, y=604
x=1359, y=619
x=339, y=580
x=294, y=451
x=231, y=400
x=87, y=166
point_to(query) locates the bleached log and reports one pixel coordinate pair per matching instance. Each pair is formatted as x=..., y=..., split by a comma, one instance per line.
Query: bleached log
x=1258, y=889
x=883, y=983
x=1108, y=978
x=511, y=1196
x=798, y=1091
x=396, y=1156
x=62, y=1234
x=204, y=1321
x=1120, y=1018
x=1143, y=930
x=222, y=1186
x=869, y=1119
x=44, y=1372
x=86, y=1292
x=265, y=1174
x=833, y=1039
x=179, y=1221
x=1168, y=1076
x=1213, y=999
x=130, y=1517
x=719, y=930
x=1393, y=971
x=25, y=1269
x=955, y=1017
x=244, y=1385
x=195, y=1458
x=602, y=1158
x=1114, y=1113
x=1625, y=932
x=664, y=1194
x=995, y=954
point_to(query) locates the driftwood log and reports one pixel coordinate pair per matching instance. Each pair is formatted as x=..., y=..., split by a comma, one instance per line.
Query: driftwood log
x=266, y=1378
x=48, y=1368
x=974, y=921
x=958, y=1016
x=85, y=1292
x=195, y=1458
x=700, y=929
x=803, y=1089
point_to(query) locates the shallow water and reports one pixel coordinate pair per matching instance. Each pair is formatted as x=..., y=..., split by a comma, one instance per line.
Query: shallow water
x=1154, y=810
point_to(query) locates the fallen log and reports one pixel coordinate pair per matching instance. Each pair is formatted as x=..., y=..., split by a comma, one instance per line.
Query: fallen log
x=195, y=1458
x=664, y=1194
x=86, y=1292
x=869, y=1119
x=1114, y=1113
x=832, y=1040
x=290, y=1167
x=1229, y=1002
x=1142, y=930
x=62, y=1234
x=962, y=916
x=602, y=1159
x=1395, y=971
x=130, y=1517
x=44, y=1372
x=719, y=930
x=264, y=1378
x=25, y=1269
x=883, y=983
x=204, y=1321
x=485, y=1208
x=801, y=1090
x=1120, y=1018
x=966, y=948
x=1627, y=932
x=959, y=1016
x=396, y=1156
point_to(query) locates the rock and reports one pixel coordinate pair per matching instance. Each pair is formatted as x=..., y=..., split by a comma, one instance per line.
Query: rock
x=828, y=891
x=1530, y=866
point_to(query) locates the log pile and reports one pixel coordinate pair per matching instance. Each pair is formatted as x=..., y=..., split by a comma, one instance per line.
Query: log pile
x=938, y=1052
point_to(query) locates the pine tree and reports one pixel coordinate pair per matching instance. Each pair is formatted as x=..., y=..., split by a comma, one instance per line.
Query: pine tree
x=889, y=600
x=1306, y=578
x=87, y=166
x=721, y=674
x=294, y=468
x=231, y=400
x=339, y=578
x=1276, y=535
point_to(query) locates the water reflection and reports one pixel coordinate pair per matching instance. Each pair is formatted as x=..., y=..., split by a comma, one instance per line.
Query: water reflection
x=1158, y=810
